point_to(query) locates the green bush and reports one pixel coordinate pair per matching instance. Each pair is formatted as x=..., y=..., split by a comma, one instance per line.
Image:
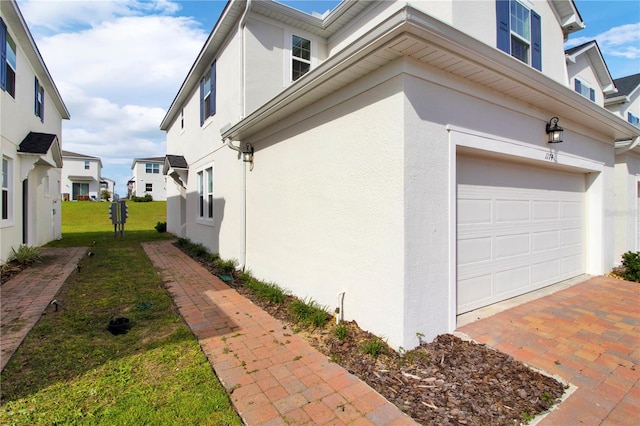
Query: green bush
x=266, y=291
x=631, y=265
x=145, y=199
x=373, y=347
x=197, y=250
x=308, y=313
x=25, y=255
x=225, y=266
x=341, y=331
x=161, y=227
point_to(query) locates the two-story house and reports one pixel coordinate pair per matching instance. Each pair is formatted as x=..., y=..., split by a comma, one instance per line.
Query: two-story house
x=148, y=178
x=401, y=162
x=31, y=114
x=81, y=177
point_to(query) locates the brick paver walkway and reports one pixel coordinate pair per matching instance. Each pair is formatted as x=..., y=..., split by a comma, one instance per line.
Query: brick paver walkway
x=589, y=335
x=274, y=377
x=25, y=297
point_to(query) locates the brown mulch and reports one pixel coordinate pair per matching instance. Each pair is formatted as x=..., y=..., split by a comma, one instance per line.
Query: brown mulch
x=9, y=270
x=445, y=382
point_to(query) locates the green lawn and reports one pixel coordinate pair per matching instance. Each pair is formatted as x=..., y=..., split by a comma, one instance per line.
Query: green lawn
x=71, y=370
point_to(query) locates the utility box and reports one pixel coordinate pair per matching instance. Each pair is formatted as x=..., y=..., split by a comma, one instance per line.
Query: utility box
x=118, y=213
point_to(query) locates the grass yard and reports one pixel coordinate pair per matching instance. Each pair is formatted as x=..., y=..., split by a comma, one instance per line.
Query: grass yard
x=71, y=370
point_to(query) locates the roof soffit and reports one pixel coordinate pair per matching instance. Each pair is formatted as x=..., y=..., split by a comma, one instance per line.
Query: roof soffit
x=412, y=33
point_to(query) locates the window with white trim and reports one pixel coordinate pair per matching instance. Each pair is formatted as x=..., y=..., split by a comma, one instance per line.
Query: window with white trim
x=519, y=32
x=205, y=194
x=86, y=164
x=6, y=198
x=300, y=57
x=148, y=187
x=39, y=100
x=8, y=61
x=208, y=94
x=585, y=90
x=152, y=168
x=633, y=119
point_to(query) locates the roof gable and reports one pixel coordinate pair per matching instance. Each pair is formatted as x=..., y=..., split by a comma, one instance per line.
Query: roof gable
x=592, y=51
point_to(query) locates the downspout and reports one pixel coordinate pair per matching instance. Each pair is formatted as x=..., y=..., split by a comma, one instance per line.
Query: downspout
x=241, y=25
x=243, y=211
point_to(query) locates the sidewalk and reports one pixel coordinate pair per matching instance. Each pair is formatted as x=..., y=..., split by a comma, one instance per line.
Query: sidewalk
x=26, y=296
x=274, y=376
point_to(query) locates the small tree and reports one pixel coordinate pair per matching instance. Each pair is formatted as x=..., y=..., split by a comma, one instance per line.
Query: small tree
x=105, y=194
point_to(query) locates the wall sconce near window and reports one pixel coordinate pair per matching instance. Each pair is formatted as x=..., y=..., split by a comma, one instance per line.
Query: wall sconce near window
x=247, y=153
x=554, y=131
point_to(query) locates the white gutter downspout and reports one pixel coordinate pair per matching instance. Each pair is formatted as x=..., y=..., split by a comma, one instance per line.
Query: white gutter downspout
x=241, y=25
x=229, y=142
x=625, y=145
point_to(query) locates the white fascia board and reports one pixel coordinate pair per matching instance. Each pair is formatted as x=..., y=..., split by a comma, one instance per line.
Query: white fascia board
x=422, y=26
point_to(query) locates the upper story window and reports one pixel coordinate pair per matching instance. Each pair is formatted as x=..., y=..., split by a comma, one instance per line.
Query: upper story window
x=584, y=89
x=8, y=62
x=300, y=57
x=152, y=168
x=39, y=100
x=208, y=94
x=86, y=164
x=519, y=32
x=633, y=119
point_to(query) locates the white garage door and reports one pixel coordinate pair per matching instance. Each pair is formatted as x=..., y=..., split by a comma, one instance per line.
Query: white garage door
x=520, y=228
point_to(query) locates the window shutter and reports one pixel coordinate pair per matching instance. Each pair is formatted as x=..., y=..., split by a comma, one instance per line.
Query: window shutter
x=202, y=102
x=36, y=92
x=536, y=41
x=3, y=55
x=502, y=21
x=592, y=95
x=630, y=117
x=42, y=105
x=578, y=86
x=212, y=98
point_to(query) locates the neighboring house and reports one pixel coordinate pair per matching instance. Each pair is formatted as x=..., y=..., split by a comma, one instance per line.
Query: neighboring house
x=391, y=159
x=148, y=178
x=626, y=104
x=81, y=177
x=31, y=114
x=588, y=73
x=109, y=185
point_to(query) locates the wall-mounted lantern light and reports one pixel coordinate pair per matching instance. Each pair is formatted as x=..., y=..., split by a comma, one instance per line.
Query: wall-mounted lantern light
x=247, y=153
x=554, y=131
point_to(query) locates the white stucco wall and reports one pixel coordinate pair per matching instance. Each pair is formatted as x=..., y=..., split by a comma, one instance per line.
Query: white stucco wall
x=324, y=206
x=17, y=119
x=625, y=213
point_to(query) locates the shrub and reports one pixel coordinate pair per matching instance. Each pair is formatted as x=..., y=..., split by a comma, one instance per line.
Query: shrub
x=197, y=250
x=25, y=255
x=105, y=195
x=145, y=199
x=225, y=266
x=161, y=227
x=183, y=242
x=308, y=313
x=341, y=331
x=373, y=347
x=266, y=291
x=631, y=265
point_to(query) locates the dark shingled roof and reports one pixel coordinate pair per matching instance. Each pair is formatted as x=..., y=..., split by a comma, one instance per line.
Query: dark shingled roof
x=576, y=48
x=626, y=85
x=37, y=143
x=177, y=162
x=75, y=154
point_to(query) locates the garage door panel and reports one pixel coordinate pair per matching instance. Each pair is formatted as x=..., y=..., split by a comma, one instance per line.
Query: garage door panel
x=527, y=223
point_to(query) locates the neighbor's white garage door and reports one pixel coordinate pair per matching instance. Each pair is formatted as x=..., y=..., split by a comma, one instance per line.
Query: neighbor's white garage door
x=520, y=228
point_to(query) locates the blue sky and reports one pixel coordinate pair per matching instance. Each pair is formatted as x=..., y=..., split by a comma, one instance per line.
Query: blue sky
x=119, y=63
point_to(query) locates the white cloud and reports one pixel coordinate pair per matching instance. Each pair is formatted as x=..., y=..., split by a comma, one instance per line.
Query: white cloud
x=621, y=41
